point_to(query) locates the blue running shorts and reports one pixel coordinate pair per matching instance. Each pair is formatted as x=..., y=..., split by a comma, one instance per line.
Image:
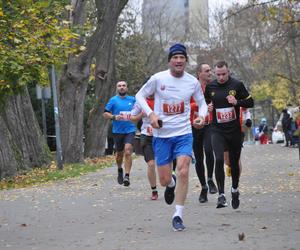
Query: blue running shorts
x=168, y=149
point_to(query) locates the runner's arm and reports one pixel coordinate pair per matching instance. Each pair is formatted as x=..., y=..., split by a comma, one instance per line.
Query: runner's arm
x=136, y=113
x=147, y=90
x=245, y=100
x=199, y=98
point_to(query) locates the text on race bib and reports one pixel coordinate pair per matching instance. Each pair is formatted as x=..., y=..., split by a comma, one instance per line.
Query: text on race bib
x=173, y=108
x=225, y=115
x=125, y=115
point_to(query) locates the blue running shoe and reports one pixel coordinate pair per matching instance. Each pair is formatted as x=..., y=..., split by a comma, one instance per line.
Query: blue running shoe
x=177, y=224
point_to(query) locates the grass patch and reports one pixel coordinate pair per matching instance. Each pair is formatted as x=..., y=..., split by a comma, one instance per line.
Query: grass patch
x=52, y=173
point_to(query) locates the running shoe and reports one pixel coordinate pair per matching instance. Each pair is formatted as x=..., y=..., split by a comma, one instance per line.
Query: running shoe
x=203, y=195
x=126, y=181
x=154, y=195
x=212, y=187
x=177, y=224
x=228, y=170
x=221, y=201
x=235, y=202
x=169, y=193
x=120, y=176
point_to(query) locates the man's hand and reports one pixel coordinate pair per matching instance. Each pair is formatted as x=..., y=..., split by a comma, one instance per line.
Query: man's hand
x=118, y=117
x=231, y=99
x=154, y=120
x=198, y=122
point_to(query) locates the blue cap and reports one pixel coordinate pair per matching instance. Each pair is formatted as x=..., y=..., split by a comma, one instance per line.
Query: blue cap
x=176, y=49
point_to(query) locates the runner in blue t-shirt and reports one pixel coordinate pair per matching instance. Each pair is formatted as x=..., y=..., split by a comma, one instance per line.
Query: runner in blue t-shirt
x=118, y=110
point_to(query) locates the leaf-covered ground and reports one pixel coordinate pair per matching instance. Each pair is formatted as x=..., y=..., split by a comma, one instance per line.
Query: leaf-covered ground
x=94, y=212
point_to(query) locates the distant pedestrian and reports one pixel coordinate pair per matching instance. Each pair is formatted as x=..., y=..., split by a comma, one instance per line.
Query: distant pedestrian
x=286, y=126
x=263, y=131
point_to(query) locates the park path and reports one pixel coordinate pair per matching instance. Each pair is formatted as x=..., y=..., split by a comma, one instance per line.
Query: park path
x=93, y=212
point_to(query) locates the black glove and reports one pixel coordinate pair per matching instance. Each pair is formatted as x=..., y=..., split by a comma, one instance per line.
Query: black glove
x=248, y=123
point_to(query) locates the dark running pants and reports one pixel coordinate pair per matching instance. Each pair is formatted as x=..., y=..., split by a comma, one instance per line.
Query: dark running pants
x=202, y=139
x=233, y=142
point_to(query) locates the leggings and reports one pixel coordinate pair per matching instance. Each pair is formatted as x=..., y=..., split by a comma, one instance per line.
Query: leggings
x=232, y=142
x=202, y=138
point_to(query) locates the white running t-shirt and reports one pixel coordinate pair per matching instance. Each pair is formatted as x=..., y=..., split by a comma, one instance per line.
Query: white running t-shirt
x=172, y=97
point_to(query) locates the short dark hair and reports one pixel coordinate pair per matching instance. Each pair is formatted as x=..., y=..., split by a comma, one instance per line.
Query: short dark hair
x=221, y=64
x=199, y=67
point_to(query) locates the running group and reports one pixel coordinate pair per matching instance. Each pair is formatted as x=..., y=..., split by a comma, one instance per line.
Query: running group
x=182, y=118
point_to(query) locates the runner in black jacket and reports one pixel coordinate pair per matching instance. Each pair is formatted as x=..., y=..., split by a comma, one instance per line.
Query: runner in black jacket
x=227, y=95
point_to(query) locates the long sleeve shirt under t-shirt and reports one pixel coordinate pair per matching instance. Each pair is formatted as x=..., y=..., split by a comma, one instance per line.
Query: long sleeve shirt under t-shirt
x=172, y=102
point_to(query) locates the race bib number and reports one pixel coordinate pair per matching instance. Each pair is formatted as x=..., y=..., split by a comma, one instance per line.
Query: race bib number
x=173, y=108
x=225, y=115
x=125, y=115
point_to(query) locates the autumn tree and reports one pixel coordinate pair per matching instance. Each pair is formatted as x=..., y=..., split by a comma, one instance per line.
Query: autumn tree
x=75, y=74
x=122, y=60
x=32, y=38
x=275, y=60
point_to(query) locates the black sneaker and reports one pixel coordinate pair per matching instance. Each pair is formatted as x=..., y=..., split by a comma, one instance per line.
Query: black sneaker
x=120, y=176
x=126, y=181
x=169, y=193
x=221, y=201
x=235, y=202
x=177, y=224
x=203, y=195
x=212, y=187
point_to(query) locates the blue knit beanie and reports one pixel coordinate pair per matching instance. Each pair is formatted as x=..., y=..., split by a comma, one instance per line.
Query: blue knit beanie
x=177, y=49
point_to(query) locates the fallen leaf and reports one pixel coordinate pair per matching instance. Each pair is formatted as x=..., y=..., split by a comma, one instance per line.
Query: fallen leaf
x=241, y=236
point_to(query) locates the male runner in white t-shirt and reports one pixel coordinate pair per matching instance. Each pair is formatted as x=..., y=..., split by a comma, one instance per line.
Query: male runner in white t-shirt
x=172, y=133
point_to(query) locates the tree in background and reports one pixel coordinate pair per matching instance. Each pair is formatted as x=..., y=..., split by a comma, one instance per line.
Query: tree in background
x=33, y=36
x=75, y=75
x=260, y=40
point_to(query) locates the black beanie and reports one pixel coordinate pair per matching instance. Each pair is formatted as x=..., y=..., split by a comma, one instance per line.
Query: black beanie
x=177, y=49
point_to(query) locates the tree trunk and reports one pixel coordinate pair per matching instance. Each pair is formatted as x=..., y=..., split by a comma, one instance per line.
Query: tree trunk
x=22, y=145
x=104, y=81
x=96, y=132
x=72, y=91
x=74, y=80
